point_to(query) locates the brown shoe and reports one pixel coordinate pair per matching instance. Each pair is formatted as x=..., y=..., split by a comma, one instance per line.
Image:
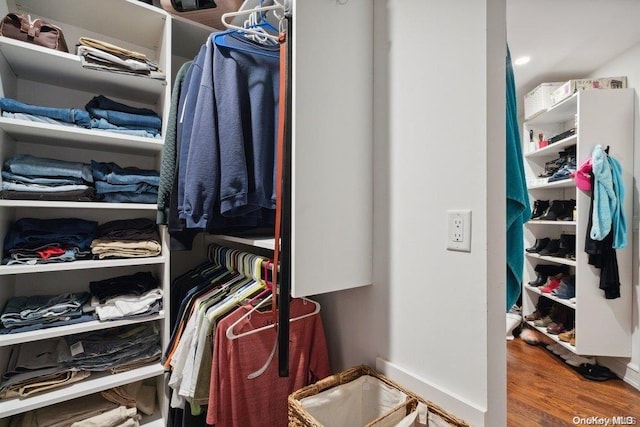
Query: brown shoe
x=536, y=315
x=544, y=321
x=567, y=336
x=556, y=328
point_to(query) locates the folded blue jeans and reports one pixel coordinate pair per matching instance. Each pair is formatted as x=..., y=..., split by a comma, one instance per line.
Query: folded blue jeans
x=42, y=180
x=114, y=174
x=34, y=118
x=63, y=321
x=142, y=187
x=119, y=114
x=24, y=310
x=26, y=165
x=104, y=124
x=127, y=197
x=69, y=115
x=39, y=188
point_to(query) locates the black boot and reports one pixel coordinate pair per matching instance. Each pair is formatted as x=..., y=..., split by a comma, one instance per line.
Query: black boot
x=551, y=269
x=538, y=245
x=540, y=280
x=539, y=206
x=556, y=208
x=551, y=248
x=567, y=210
x=568, y=241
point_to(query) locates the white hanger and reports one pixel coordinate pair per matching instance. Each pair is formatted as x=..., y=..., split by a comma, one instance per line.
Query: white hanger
x=260, y=33
x=232, y=336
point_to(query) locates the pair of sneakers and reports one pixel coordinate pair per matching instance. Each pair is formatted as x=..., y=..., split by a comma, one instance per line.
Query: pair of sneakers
x=566, y=289
x=569, y=357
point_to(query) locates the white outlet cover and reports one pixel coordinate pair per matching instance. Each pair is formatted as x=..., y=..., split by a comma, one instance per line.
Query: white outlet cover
x=459, y=230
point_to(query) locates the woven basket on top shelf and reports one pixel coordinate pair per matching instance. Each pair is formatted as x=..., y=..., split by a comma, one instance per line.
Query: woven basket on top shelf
x=299, y=417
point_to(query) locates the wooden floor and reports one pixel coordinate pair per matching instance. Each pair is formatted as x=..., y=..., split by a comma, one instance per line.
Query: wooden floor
x=542, y=390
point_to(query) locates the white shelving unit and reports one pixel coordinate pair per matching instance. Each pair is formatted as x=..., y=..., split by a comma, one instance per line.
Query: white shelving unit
x=41, y=76
x=93, y=384
x=605, y=117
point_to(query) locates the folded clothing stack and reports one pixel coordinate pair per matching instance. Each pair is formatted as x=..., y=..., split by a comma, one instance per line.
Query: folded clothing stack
x=40, y=241
x=101, y=113
x=119, y=406
x=26, y=177
x=100, y=55
x=108, y=114
x=27, y=313
x=115, y=349
x=127, y=238
x=128, y=296
x=43, y=365
x=131, y=185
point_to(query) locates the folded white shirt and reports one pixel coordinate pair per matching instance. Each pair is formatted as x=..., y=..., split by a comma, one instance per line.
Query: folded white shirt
x=127, y=305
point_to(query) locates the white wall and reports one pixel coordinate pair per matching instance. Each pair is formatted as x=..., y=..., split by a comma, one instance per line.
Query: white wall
x=436, y=316
x=628, y=64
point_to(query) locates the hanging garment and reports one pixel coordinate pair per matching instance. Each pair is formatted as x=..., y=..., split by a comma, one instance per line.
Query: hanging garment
x=518, y=209
x=602, y=255
x=235, y=400
x=168, y=165
x=608, y=199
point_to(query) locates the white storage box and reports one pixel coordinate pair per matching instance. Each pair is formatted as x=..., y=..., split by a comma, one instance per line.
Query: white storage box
x=539, y=99
x=569, y=88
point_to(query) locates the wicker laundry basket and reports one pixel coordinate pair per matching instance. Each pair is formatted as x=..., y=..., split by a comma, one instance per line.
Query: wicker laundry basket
x=299, y=416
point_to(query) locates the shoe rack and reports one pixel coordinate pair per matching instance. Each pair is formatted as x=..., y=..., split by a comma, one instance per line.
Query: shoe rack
x=601, y=327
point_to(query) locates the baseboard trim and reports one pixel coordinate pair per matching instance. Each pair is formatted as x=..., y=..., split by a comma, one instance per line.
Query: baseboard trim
x=629, y=372
x=450, y=402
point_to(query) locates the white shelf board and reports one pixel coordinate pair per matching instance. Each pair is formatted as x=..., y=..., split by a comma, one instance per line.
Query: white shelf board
x=556, y=260
x=78, y=265
x=537, y=290
x=77, y=137
x=75, y=205
x=543, y=330
x=259, y=242
x=553, y=149
x=144, y=23
x=561, y=112
x=541, y=222
x=95, y=383
x=565, y=183
x=31, y=62
x=94, y=325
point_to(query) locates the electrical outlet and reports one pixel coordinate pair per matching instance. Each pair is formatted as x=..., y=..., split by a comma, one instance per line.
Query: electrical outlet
x=459, y=230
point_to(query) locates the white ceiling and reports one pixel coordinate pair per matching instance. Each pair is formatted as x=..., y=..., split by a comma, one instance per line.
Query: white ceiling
x=568, y=38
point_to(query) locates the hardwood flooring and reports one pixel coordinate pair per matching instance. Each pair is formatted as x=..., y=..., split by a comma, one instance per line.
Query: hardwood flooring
x=542, y=390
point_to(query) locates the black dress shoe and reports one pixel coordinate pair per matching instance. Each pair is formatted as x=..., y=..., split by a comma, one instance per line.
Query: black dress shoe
x=539, y=245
